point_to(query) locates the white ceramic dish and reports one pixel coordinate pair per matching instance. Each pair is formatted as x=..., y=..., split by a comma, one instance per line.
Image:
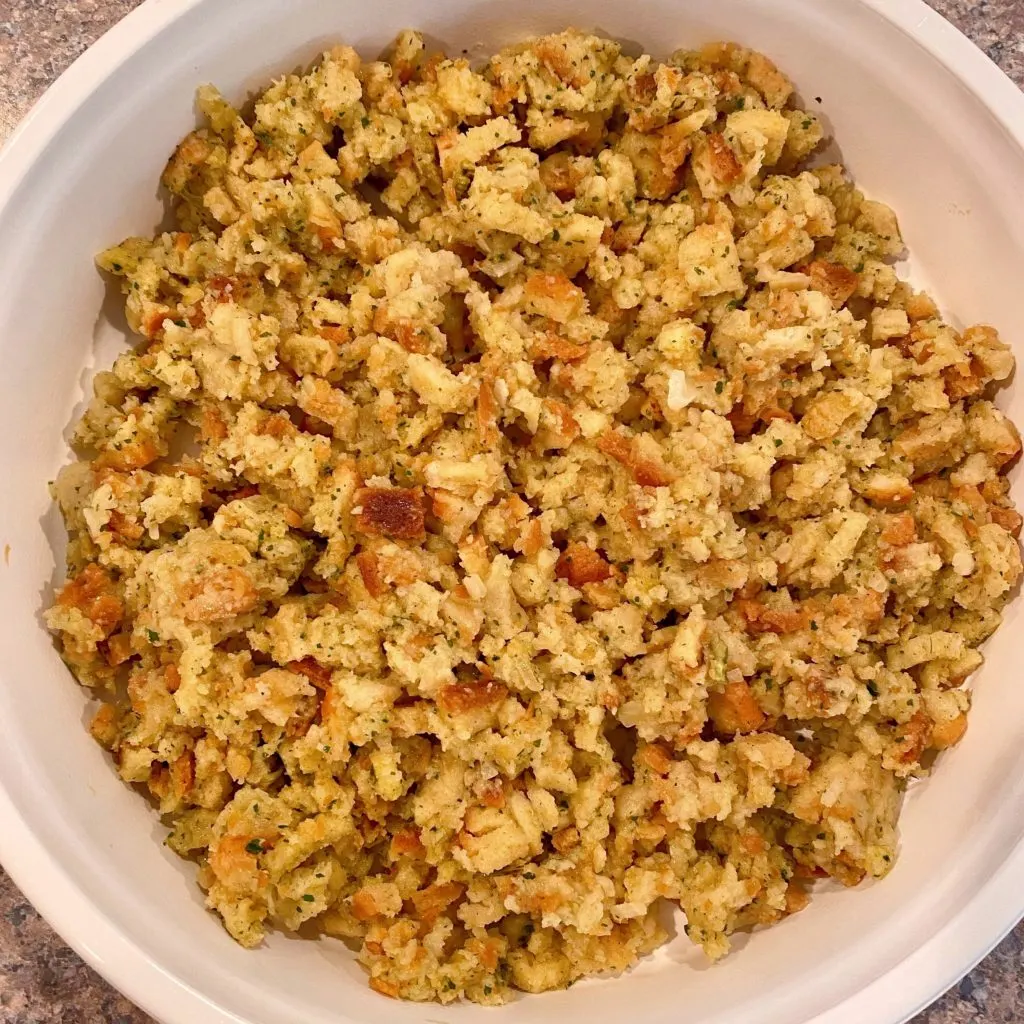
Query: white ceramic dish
x=925, y=122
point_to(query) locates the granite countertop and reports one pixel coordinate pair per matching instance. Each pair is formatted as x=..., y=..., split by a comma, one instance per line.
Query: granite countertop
x=44, y=982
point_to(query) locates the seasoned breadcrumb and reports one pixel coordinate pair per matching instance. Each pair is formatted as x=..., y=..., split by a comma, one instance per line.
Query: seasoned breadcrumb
x=535, y=497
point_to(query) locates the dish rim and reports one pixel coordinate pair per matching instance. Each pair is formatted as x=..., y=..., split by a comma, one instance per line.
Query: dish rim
x=906, y=987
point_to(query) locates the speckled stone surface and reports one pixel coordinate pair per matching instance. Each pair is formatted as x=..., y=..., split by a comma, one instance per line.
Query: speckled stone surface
x=41, y=980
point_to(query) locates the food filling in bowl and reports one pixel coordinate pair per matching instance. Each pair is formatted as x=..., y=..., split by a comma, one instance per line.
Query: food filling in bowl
x=534, y=498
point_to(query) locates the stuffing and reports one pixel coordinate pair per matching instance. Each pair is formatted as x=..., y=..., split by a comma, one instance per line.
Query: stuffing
x=533, y=499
